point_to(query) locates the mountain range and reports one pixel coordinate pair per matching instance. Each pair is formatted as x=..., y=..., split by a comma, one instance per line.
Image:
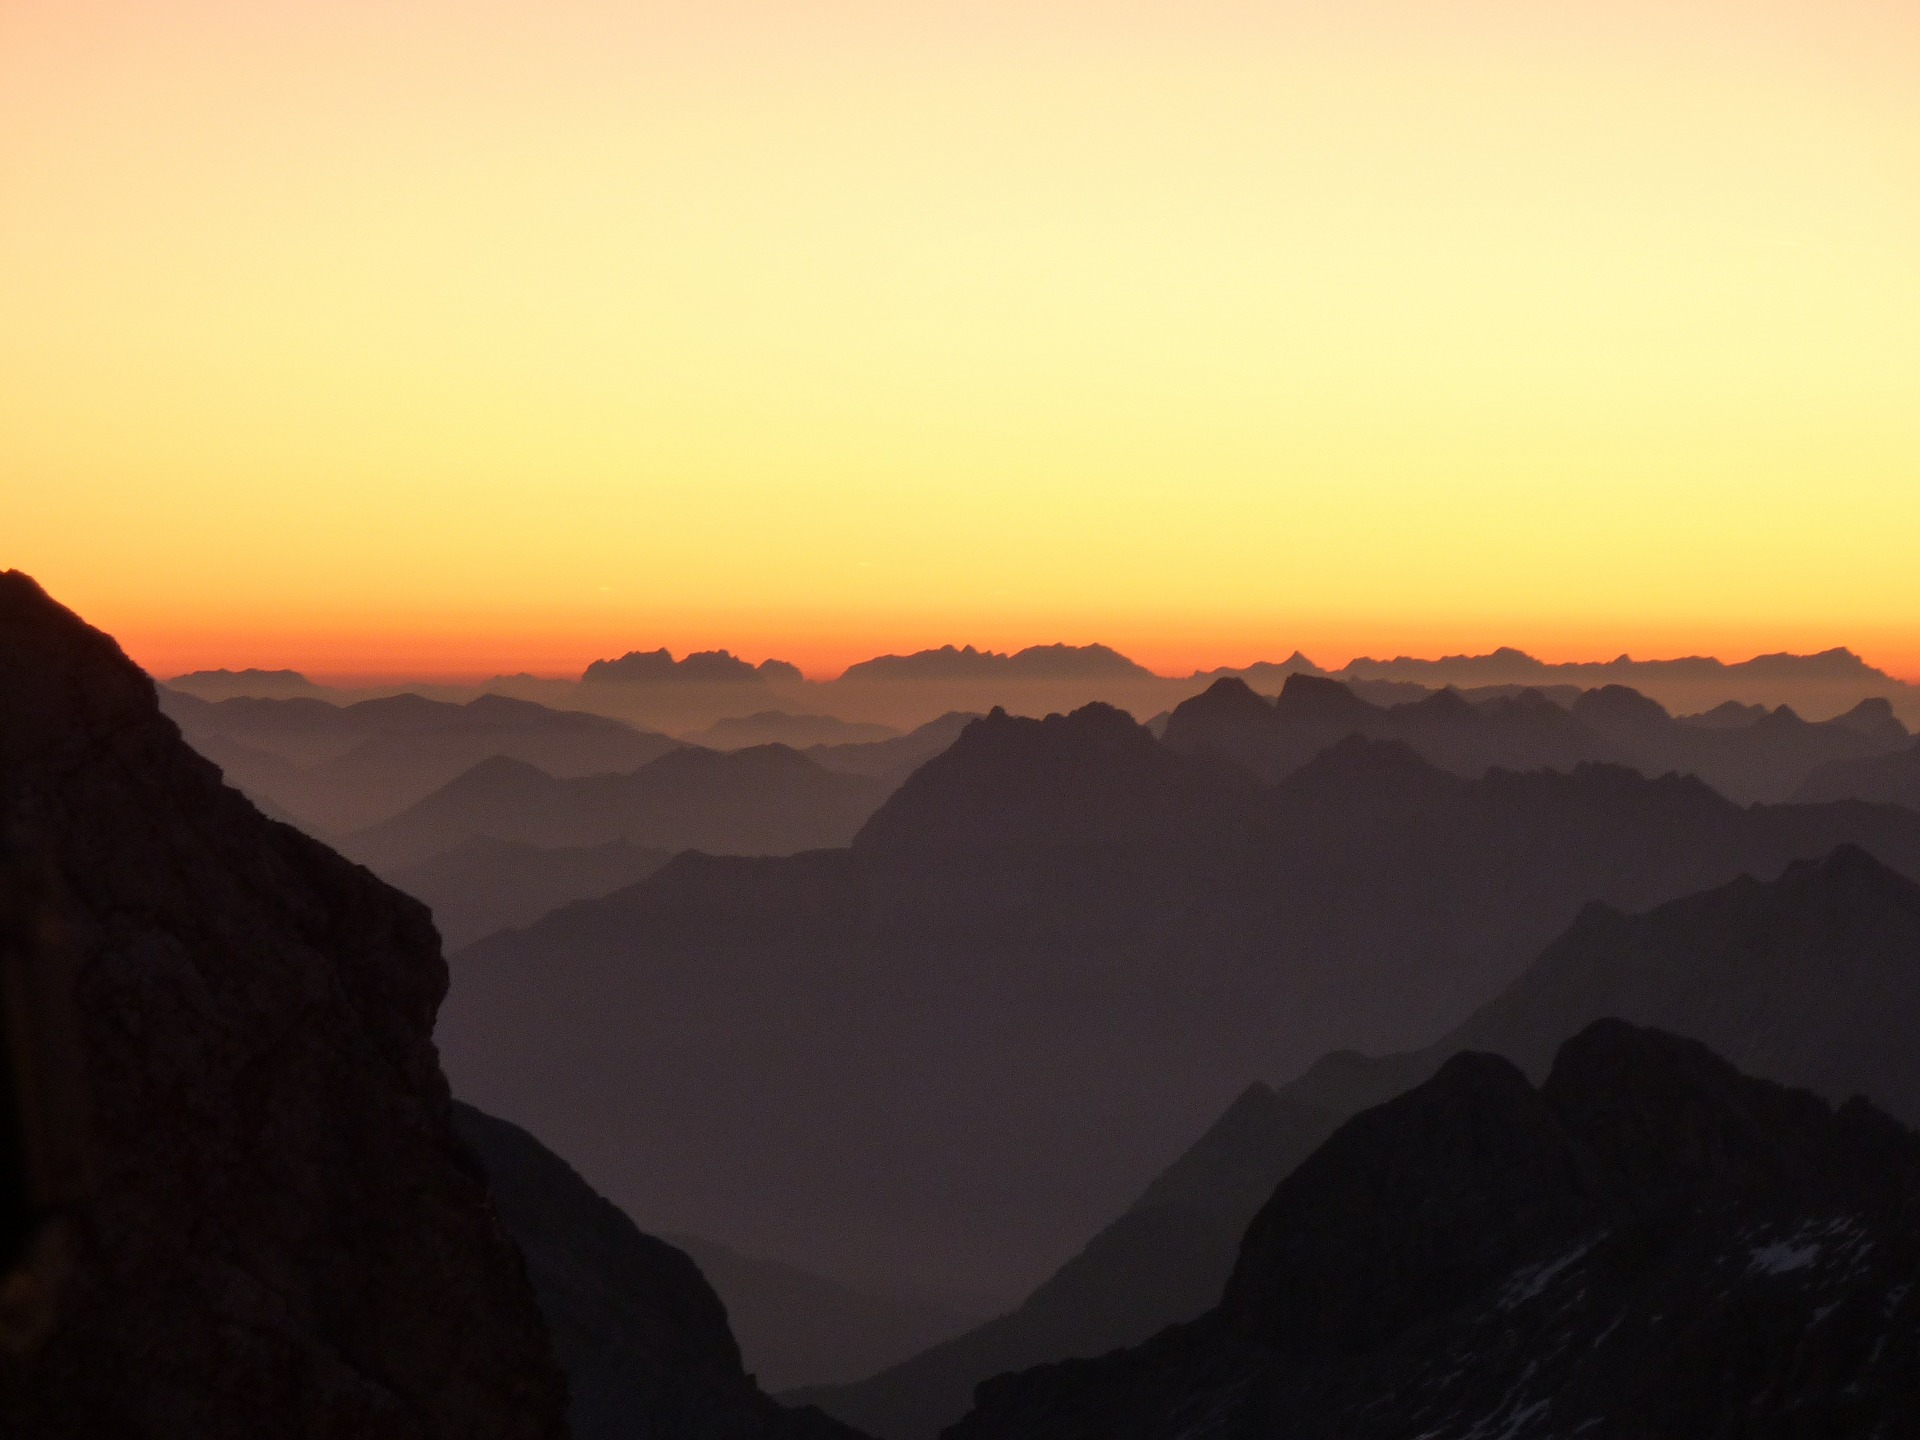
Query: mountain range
x=1650, y=1243
x=907, y=690
x=1812, y=979
x=336, y=769
x=765, y=800
x=1045, y=964
x=1747, y=757
x=656, y=667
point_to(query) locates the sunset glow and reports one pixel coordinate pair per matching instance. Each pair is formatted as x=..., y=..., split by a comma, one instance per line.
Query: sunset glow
x=414, y=336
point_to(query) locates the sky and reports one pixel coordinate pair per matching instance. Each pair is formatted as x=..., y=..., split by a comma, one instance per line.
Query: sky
x=454, y=338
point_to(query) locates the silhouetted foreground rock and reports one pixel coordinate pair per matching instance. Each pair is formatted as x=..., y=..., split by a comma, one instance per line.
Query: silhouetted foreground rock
x=1650, y=1245
x=645, y=1341
x=283, y=1238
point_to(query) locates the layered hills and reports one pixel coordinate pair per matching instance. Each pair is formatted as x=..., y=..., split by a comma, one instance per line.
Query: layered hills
x=1649, y=1244
x=340, y=768
x=1813, y=979
x=262, y=1210
x=764, y=800
x=1045, y=964
x=482, y=885
x=1893, y=778
x=1766, y=756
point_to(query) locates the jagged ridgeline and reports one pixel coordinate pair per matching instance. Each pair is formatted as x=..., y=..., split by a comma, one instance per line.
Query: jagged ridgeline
x=1650, y=1244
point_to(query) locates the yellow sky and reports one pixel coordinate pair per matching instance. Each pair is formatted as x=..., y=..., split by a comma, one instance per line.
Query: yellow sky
x=474, y=336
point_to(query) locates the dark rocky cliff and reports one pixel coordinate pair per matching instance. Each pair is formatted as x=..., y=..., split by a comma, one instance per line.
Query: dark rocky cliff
x=282, y=1236
x=1649, y=1245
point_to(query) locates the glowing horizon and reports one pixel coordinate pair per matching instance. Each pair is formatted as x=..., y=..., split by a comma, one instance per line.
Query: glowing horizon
x=434, y=339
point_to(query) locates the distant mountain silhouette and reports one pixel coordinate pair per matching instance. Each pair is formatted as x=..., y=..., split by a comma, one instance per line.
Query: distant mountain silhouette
x=486, y=885
x=1046, y=963
x=766, y=800
x=1649, y=1244
x=1813, y=979
x=1509, y=666
x=1264, y=673
x=1164, y=1261
x=654, y=667
x=1893, y=779
x=225, y=684
x=796, y=1327
x=1036, y=662
x=894, y=760
x=247, y=1202
x=645, y=1341
x=1763, y=757
x=777, y=727
x=337, y=769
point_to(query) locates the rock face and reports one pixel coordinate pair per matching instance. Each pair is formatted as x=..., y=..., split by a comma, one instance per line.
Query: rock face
x=645, y=1341
x=284, y=1237
x=1649, y=1245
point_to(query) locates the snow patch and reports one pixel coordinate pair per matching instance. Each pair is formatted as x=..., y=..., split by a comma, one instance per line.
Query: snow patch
x=1783, y=1257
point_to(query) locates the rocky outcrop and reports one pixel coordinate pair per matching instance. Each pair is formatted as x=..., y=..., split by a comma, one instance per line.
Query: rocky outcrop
x=282, y=1236
x=1649, y=1245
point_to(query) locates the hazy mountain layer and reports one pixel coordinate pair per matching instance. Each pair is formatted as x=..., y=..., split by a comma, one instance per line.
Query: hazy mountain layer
x=894, y=760
x=946, y=1057
x=1813, y=979
x=645, y=1341
x=767, y=800
x=341, y=768
x=486, y=885
x=777, y=727
x=1649, y=1244
x=1165, y=1260
x=797, y=1328
x=1747, y=757
x=252, y=1203
x=1891, y=778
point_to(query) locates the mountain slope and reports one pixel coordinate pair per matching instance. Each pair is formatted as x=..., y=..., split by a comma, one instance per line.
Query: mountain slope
x=487, y=885
x=798, y=1328
x=645, y=1341
x=1046, y=964
x=278, y=1203
x=1649, y=1244
x=1892, y=778
x=766, y=800
x=1812, y=980
x=1162, y=1262
x=341, y=768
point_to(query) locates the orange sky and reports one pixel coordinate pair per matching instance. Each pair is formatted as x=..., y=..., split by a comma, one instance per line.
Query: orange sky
x=457, y=338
